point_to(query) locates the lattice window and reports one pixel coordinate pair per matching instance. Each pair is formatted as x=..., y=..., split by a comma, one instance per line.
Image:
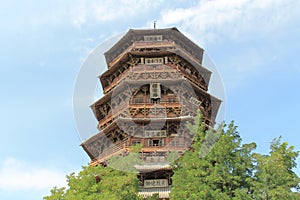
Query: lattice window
x=175, y=143
x=135, y=142
x=195, y=101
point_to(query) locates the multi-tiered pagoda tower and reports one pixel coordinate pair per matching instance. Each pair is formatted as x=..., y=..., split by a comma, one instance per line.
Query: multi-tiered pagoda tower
x=154, y=84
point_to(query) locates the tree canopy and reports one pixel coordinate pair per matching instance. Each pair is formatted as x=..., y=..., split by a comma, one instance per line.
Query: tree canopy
x=97, y=183
x=217, y=166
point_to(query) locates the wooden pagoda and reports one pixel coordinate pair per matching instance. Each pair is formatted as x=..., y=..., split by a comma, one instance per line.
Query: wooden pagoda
x=154, y=84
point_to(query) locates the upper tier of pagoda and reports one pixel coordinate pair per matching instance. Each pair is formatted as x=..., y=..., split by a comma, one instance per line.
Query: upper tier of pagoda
x=157, y=36
x=166, y=46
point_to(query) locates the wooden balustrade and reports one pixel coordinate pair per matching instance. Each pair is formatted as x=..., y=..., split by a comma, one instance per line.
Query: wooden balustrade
x=147, y=100
x=119, y=148
x=114, y=149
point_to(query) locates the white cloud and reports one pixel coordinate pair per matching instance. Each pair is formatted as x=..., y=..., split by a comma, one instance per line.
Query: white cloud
x=107, y=10
x=19, y=176
x=257, y=33
x=78, y=15
x=234, y=19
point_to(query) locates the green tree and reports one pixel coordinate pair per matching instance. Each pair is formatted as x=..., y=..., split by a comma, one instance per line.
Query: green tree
x=128, y=161
x=118, y=181
x=56, y=194
x=219, y=166
x=274, y=175
x=97, y=183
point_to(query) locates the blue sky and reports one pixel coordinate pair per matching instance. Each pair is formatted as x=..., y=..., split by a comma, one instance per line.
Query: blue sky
x=254, y=44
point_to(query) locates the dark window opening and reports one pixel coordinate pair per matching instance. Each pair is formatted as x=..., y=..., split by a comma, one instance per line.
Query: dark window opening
x=155, y=142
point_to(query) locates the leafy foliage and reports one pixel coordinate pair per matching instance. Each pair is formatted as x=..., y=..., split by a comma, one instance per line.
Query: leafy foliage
x=219, y=166
x=125, y=163
x=111, y=184
x=274, y=175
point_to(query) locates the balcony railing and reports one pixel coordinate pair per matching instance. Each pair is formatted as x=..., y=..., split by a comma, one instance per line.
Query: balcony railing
x=147, y=100
x=114, y=149
x=122, y=148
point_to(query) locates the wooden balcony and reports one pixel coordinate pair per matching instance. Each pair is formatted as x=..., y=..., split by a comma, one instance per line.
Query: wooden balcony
x=138, y=103
x=113, y=150
x=140, y=68
x=146, y=100
x=122, y=149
